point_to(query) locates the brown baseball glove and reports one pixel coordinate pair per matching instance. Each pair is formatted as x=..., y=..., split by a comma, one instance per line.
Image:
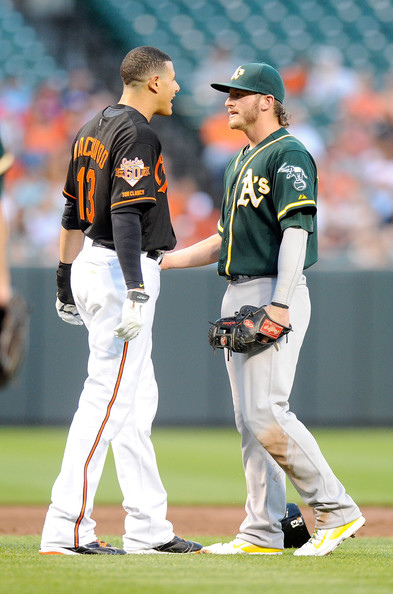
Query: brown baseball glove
x=14, y=335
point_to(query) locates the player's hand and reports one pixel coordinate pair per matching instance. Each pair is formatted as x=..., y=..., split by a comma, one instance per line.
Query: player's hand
x=68, y=313
x=278, y=314
x=132, y=316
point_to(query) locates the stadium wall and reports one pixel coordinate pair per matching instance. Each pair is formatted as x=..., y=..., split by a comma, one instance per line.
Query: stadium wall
x=344, y=377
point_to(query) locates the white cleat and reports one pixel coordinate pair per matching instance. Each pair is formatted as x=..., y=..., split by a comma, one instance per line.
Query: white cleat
x=323, y=542
x=239, y=547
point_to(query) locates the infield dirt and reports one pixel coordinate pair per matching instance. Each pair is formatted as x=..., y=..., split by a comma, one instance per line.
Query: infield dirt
x=187, y=520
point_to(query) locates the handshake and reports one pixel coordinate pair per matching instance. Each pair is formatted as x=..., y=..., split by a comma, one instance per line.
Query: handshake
x=131, y=319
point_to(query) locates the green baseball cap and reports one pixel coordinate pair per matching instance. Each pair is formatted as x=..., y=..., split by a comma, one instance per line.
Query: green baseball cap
x=256, y=77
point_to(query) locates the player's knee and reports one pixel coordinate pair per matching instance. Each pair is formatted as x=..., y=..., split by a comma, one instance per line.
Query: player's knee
x=275, y=441
x=258, y=421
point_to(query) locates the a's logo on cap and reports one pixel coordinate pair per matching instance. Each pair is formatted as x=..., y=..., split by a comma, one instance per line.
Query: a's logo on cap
x=238, y=72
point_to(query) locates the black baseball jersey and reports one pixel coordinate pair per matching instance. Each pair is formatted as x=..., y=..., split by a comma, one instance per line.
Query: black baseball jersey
x=267, y=189
x=116, y=164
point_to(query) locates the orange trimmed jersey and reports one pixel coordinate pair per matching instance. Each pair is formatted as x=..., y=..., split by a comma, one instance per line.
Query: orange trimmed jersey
x=116, y=163
x=267, y=189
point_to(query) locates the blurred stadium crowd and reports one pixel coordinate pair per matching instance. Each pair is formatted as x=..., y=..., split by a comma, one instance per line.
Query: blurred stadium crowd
x=344, y=115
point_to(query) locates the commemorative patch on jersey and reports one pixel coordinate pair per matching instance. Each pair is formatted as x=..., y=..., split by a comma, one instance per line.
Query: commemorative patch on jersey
x=295, y=172
x=132, y=170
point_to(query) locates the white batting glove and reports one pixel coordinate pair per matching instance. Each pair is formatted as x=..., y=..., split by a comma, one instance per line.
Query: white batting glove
x=131, y=318
x=68, y=313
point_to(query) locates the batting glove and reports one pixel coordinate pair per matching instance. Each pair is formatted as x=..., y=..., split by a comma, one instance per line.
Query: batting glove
x=131, y=318
x=68, y=313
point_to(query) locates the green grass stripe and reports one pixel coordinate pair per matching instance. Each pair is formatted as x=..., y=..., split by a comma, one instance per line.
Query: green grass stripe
x=359, y=566
x=197, y=466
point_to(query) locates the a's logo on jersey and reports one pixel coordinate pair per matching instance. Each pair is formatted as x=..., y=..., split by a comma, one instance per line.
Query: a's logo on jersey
x=132, y=170
x=251, y=191
x=296, y=172
x=238, y=72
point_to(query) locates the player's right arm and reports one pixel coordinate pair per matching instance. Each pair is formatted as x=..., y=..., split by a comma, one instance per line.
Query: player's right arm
x=71, y=243
x=202, y=253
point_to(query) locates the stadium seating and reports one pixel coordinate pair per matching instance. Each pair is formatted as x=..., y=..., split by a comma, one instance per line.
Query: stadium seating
x=274, y=31
x=22, y=53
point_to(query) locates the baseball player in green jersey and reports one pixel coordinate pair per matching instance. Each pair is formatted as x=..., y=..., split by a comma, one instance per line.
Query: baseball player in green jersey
x=267, y=237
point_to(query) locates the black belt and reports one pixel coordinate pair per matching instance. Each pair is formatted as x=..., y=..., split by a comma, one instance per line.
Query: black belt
x=156, y=255
x=242, y=278
x=153, y=254
x=99, y=243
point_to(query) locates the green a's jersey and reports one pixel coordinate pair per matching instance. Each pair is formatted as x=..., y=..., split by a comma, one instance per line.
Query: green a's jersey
x=267, y=189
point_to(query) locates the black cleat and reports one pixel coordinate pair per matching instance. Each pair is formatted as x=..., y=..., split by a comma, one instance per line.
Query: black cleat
x=179, y=545
x=97, y=547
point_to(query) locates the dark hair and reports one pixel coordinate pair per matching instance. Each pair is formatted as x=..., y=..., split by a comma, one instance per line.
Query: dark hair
x=141, y=62
x=281, y=114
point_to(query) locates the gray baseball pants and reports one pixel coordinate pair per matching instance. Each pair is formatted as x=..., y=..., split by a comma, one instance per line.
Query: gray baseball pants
x=274, y=442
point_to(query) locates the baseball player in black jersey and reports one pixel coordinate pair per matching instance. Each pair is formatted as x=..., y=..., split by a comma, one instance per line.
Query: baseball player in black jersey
x=115, y=229
x=266, y=237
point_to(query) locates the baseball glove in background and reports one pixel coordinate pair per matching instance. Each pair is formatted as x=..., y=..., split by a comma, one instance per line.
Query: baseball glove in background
x=14, y=335
x=250, y=330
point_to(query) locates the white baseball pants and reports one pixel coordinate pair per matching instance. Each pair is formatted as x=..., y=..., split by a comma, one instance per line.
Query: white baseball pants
x=117, y=405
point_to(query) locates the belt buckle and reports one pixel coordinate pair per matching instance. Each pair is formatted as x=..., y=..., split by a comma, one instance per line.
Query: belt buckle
x=156, y=255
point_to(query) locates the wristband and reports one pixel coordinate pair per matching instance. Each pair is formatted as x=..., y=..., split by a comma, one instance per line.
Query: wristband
x=63, y=281
x=138, y=296
x=280, y=305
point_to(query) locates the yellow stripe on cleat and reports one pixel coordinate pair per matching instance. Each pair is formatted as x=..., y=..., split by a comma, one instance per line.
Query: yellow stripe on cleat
x=339, y=531
x=255, y=549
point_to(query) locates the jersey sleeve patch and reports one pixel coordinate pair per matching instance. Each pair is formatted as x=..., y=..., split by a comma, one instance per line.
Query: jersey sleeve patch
x=296, y=174
x=132, y=170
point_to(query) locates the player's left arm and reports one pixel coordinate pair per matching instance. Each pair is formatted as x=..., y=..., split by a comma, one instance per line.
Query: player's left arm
x=134, y=190
x=295, y=201
x=290, y=267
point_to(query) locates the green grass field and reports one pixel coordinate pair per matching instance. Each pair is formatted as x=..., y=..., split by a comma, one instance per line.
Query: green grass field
x=198, y=466
x=360, y=567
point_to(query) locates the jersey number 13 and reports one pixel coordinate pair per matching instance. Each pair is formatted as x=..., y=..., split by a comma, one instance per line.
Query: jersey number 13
x=86, y=183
